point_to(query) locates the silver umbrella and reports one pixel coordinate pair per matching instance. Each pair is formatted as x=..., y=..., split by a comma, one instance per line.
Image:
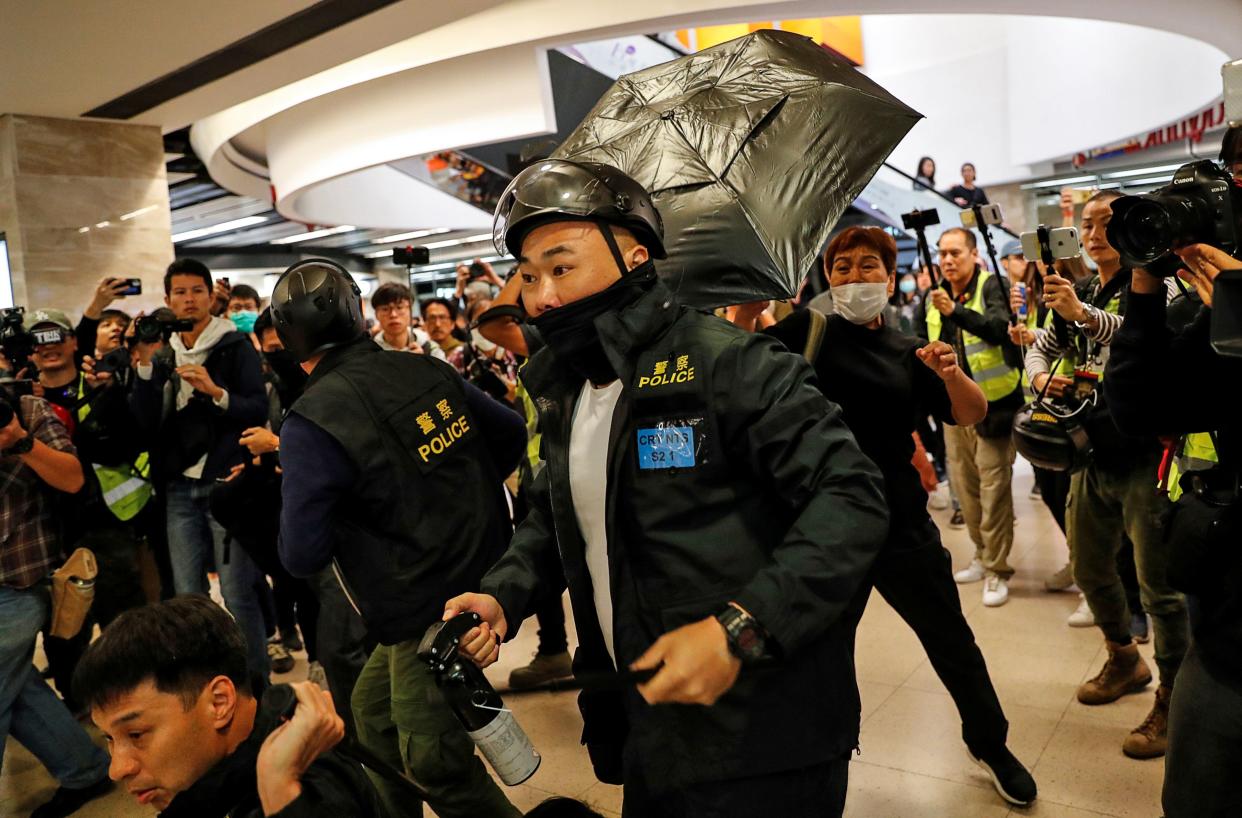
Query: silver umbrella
x=751, y=150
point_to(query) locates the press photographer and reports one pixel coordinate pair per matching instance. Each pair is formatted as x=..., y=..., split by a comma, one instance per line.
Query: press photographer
x=38, y=467
x=1177, y=383
x=195, y=401
x=1110, y=489
x=92, y=404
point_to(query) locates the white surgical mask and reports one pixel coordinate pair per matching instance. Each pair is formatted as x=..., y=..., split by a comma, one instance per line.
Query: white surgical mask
x=860, y=303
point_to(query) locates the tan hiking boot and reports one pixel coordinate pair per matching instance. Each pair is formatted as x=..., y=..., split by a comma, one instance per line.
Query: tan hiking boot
x=1124, y=672
x=1150, y=738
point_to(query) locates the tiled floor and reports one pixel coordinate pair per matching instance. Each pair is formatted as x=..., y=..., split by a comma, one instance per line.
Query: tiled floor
x=912, y=762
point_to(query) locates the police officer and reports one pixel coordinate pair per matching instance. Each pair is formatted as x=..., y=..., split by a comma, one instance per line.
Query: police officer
x=392, y=475
x=706, y=506
x=1196, y=398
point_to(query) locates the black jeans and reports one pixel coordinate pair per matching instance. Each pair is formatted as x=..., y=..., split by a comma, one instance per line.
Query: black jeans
x=552, y=638
x=343, y=643
x=296, y=603
x=918, y=584
x=1205, y=744
x=1054, y=491
x=812, y=792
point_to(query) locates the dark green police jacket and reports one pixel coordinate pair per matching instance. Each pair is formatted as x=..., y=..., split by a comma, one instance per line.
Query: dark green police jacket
x=730, y=477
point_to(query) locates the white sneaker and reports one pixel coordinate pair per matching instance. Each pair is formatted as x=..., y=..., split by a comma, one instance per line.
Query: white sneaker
x=315, y=673
x=995, y=591
x=938, y=500
x=971, y=573
x=1082, y=616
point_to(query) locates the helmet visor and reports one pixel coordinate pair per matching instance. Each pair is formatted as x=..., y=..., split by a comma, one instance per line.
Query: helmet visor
x=552, y=186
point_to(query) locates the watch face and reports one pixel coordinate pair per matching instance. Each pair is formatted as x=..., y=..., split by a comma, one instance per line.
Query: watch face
x=748, y=640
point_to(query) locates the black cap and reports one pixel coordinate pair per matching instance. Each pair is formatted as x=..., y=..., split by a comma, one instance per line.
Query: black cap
x=560, y=190
x=316, y=305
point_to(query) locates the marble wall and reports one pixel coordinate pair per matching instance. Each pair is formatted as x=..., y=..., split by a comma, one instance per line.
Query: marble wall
x=81, y=200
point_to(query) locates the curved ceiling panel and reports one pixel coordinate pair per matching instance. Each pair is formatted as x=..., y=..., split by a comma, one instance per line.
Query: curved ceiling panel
x=482, y=78
x=403, y=115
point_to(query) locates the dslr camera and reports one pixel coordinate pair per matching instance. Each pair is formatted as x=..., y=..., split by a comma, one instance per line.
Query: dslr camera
x=16, y=344
x=160, y=326
x=1202, y=205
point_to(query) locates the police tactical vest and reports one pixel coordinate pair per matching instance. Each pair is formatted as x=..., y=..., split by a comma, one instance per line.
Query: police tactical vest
x=426, y=517
x=986, y=361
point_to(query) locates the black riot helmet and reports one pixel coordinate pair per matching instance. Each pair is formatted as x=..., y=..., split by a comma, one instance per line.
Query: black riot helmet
x=1050, y=438
x=316, y=305
x=561, y=190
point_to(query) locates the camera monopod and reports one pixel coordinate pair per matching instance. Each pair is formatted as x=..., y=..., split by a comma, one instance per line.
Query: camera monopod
x=981, y=224
x=919, y=221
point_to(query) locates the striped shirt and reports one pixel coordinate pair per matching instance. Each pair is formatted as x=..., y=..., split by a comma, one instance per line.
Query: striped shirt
x=1046, y=349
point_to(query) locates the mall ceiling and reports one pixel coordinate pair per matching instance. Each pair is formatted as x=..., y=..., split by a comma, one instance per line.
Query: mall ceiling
x=174, y=62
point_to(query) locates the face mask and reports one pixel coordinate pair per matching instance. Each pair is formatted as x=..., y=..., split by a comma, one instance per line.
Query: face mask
x=907, y=285
x=570, y=331
x=244, y=320
x=860, y=303
x=290, y=377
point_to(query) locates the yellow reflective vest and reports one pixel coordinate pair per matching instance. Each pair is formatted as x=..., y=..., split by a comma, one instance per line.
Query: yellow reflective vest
x=986, y=361
x=127, y=488
x=1197, y=454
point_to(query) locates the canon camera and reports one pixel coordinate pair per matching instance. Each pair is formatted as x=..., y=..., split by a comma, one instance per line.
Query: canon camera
x=1201, y=205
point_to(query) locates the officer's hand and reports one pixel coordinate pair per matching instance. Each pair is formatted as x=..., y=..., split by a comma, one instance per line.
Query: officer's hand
x=481, y=644
x=1060, y=384
x=942, y=302
x=940, y=358
x=697, y=665
x=1205, y=263
x=259, y=440
x=1059, y=295
x=293, y=746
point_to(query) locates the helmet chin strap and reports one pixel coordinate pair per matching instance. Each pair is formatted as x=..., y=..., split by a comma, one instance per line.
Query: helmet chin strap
x=611, y=241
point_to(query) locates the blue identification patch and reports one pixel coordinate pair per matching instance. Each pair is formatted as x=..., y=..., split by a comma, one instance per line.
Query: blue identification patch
x=668, y=446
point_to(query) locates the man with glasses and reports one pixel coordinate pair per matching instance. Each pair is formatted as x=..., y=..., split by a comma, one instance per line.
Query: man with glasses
x=393, y=304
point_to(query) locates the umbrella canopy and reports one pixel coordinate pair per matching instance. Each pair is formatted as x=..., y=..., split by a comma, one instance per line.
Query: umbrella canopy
x=751, y=150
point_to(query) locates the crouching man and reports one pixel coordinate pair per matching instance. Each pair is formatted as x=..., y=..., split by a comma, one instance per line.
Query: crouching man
x=168, y=686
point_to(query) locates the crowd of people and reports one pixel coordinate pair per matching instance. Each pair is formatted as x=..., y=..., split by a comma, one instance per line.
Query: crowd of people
x=717, y=494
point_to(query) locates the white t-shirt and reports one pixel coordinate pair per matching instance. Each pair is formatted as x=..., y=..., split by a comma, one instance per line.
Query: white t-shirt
x=588, y=484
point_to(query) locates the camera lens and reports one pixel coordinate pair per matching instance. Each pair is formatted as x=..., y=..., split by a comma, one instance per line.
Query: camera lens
x=1143, y=230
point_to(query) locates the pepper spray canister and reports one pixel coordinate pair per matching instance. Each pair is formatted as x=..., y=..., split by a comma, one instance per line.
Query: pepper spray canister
x=475, y=702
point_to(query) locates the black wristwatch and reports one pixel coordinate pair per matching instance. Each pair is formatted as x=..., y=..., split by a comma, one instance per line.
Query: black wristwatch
x=21, y=447
x=747, y=640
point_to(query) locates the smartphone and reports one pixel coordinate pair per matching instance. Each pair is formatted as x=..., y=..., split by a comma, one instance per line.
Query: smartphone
x=133, y=286
x=225, y=279
x=1231, y=74
x=991, y=214
x=1062, y=241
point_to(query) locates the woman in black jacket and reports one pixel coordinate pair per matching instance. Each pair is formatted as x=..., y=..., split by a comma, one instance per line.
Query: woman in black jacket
x=884, y=382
